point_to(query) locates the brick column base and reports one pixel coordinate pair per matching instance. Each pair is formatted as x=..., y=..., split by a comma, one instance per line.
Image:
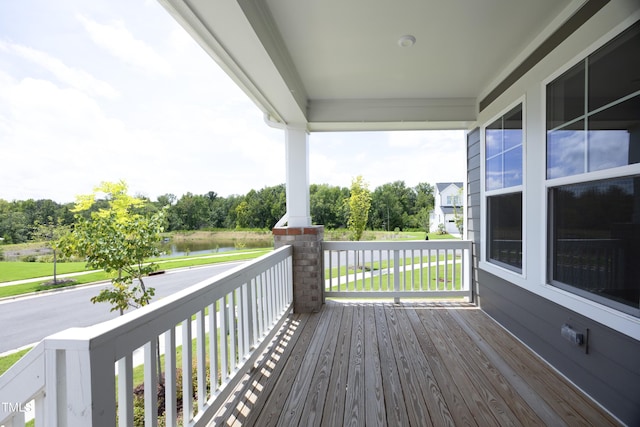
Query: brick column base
x=308, y=265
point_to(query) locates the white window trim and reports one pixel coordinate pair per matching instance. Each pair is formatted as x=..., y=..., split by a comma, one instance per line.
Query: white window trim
x=484, y=262
x=622, y=322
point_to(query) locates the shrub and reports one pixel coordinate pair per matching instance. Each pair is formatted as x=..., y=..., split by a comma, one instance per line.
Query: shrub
x=28, y=258
x=138, y=397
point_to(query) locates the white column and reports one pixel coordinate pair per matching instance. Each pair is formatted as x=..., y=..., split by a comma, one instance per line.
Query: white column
x=297, y=162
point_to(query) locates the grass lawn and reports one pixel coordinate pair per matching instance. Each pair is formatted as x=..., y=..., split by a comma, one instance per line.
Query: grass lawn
x=163, y=264
x=18, y=270
x=7, y=361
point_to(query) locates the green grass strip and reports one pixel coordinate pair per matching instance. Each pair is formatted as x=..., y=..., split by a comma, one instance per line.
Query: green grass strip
x=36, y=286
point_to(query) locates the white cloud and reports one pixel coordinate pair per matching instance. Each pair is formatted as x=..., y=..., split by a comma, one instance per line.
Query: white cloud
x=186, y=129
x=75, y=78
x=119, y=41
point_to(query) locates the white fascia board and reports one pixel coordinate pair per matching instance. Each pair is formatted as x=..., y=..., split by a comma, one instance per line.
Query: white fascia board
x=392, y=114
x=384, y=126
x=225, y=33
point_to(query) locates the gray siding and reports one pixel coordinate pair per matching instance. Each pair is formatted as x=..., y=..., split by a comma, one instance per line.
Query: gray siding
x=473, y=200
x=610, y=372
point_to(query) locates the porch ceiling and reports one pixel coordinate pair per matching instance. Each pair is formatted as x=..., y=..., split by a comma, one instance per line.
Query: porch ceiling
x=337, y=65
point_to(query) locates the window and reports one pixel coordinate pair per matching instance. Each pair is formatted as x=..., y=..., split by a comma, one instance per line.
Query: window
x=503, y=186
x=592, y=110
x=505, y=229
x=593, y=124
x=453, y=201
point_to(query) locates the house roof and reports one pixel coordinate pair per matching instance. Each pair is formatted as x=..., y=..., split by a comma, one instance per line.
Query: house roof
x=441, y=186
x=339, y=65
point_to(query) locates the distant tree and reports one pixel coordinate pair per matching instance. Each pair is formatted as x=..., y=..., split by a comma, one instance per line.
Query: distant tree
x=14, y=227
x=391, y=205
x=118, y=239
x=359, y=206
x=458, y=213
x=242, y=215
x=424, y=196
x=327, y=205
x=167, y=199
x=191, y=212
x=52, y=232
x=423, y=219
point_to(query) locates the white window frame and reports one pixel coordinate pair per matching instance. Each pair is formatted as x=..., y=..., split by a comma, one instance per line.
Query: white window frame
x=485, y=262
x=603, y=174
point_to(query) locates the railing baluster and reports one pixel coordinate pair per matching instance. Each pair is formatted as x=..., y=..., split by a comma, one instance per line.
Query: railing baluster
x=438, y=269
x=150, y=383
x=201, y=359
x=232, y=331
x=252, y=322
x=263, y=305
x=270, y=299
x=224, y=353
x=213, y=347
x=404, y=269
x=240, y=323
x=446, y=268
x=170, y=392
x=396, y=274
x=187, y=372
x=453, y=273
x=125, y=391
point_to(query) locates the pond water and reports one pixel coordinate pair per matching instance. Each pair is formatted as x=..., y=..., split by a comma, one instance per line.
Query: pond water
x=202, y=246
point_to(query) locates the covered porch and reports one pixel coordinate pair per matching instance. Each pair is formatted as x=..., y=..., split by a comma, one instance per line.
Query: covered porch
x=414, y=363
x=281, y=353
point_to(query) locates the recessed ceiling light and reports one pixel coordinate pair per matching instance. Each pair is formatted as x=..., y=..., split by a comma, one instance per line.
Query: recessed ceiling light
x=406, y=41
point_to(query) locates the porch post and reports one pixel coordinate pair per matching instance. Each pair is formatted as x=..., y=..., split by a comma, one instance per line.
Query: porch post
x=297, y=162
x=308, y=265
x=308, y=273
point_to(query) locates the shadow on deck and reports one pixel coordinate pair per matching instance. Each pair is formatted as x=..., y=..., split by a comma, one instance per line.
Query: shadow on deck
x=403, y=364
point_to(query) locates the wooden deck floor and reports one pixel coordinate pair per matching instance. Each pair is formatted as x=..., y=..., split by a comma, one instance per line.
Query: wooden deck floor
x=415, y=364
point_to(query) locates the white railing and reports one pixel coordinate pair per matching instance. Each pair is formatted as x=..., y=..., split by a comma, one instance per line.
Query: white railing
x=217, y=328
x=407, y=269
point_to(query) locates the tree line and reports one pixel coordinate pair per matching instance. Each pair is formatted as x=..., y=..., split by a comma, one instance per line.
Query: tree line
x=394, y=206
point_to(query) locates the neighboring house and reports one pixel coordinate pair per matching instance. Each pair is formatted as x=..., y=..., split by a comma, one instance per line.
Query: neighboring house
x=448, y=202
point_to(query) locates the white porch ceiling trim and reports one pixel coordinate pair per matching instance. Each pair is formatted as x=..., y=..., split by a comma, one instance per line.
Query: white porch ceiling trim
x=246, y=38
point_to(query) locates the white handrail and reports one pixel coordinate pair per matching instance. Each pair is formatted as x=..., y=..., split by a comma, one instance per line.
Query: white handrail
x=404, y=269
x=235, y=315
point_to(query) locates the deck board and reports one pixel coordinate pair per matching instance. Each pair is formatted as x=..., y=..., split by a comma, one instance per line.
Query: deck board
x=375, y=411
x=384, y=364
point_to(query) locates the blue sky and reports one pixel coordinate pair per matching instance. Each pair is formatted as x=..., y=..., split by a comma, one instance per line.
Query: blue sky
x=104, y=90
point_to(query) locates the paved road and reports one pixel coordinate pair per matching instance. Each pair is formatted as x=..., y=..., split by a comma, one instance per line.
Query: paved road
x=27, y=320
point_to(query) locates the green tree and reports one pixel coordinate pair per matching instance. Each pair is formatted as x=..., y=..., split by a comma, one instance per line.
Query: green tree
x=51, y=232
x=243, y=215
x=424, y=196
x=359, y=206
x=118, y=239
x=391, y=205
x=328, y=205
x=422, y=219
x=458, y=213
x=191, y=212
